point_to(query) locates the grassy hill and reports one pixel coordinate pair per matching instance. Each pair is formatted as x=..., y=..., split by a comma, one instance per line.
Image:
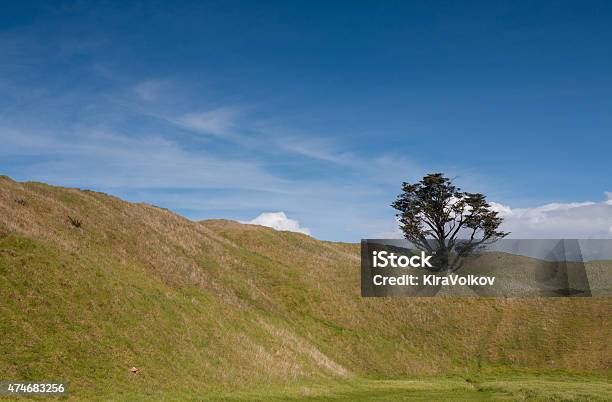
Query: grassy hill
x=91, y=285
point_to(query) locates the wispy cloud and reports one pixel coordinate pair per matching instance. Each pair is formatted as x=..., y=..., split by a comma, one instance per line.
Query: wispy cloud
x=220, y=122
x=150, y=90
x=315, y=148
x=106, y=159
x=135, y=146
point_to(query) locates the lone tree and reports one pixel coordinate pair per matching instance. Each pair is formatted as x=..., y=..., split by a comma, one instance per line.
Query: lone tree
x=439, y=218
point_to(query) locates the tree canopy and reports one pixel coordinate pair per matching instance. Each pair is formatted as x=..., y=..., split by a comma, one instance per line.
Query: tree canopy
x=436, y=216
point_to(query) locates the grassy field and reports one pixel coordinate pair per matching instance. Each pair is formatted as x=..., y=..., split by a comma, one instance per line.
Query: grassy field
x=220, y=310
x=512, y=388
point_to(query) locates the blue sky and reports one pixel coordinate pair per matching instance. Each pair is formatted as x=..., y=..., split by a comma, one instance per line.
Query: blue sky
x=316, y=109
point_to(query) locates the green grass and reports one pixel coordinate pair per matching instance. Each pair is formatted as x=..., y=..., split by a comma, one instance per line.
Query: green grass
x=435, y=389
x=513, y=388
x=227, y=311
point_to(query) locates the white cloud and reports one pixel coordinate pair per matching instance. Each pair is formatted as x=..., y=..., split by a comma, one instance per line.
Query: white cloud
x=559, y=220
x=278, y=221
x=219, y=122
x=503, y=210
x=573, y=220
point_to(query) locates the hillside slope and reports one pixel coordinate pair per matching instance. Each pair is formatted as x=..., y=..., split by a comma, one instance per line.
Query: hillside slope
x=217, y=305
